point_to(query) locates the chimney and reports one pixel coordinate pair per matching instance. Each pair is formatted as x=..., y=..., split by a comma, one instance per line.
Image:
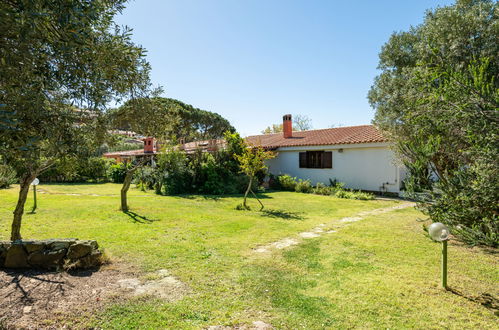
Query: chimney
x=149, y=145
x=287, y=126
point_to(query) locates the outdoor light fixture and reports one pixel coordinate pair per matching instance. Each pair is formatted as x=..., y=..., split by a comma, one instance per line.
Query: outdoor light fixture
x=34, y=183
x=440, y=233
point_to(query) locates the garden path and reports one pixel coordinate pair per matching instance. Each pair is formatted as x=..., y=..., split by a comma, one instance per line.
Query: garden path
x=327, y=228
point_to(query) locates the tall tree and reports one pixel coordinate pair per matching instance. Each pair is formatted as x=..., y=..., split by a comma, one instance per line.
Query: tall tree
x=302, y=123
x=57, y=57
x=173, y=120
x=437, y=98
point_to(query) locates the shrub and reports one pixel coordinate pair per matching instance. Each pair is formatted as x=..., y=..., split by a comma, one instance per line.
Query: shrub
x=146, y=178
x=287, y=182
x=303, y=186
x=94, y=169
x=322, y=189
x=174, y=173
x=7, y=176
x=77, y=170
x=117, y=172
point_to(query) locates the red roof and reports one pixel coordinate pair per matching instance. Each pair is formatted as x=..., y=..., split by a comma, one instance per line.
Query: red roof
x=328, y=136
x=137, y=152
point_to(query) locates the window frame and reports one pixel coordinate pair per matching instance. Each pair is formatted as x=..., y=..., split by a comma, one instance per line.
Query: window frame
x=315, y=159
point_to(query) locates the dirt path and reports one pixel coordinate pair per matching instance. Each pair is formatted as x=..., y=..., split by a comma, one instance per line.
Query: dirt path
x=327, y=228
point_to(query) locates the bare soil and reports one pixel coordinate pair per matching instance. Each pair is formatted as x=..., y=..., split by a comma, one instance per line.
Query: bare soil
x=34, y=299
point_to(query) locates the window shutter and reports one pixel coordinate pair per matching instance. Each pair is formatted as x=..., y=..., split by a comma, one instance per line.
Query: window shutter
x=327, y=159
x=303, y=159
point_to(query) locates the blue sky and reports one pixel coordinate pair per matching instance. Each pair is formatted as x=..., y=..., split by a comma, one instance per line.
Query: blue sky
x=253, y=61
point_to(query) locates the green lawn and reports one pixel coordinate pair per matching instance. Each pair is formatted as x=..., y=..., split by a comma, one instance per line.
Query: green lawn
x=381, y=272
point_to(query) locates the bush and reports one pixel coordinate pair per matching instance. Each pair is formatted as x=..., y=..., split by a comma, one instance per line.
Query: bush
x=78, y=170
x=287, y=182
x=322, y=189
x=304, y=186
x=174, y=173
x=7, y=176
x=146, y=178
x=94, y=169
x=117, y=172
x=336, y=189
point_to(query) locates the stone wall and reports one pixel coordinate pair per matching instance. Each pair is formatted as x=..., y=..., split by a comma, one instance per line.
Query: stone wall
x=54, y=254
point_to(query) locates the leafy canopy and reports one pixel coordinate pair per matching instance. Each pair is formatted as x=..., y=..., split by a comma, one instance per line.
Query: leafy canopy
x=171, y=119
x=437, y=97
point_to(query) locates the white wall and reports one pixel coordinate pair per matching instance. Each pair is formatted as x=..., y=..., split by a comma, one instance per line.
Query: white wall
x=364, y=167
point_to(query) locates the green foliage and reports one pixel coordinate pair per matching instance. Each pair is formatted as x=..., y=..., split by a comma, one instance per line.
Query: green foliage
x=73, y=169
x=287, y=182
x=437, y=98
x=62, y=63
x=336, y=189
x=7, y=176
x=174, y=172
x=117, y=172
x=170, y=119
x=251, y=163
x=303, y=186
x=214, y=173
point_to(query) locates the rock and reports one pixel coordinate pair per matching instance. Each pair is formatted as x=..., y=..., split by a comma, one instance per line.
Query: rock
x=62, y=244
x=4, y=247
x=47, y=259
x=16, y=257
x=260, y=325
x=78, y=250
x=92, y=260
x=32, y=246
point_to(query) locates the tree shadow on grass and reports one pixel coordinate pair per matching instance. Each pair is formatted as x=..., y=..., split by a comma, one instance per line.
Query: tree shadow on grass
x=485, y=299
x=26, y=282
x=282, y=214
x=139, y=218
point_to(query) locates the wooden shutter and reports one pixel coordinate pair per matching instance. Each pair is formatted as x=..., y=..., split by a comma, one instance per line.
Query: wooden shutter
x=303, y=159
x=327, y=159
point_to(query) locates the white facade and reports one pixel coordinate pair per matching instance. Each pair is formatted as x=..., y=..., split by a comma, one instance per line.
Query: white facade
x=366, y=166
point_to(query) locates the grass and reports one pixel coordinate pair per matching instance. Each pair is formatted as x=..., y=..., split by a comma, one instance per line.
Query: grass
x=381, y=272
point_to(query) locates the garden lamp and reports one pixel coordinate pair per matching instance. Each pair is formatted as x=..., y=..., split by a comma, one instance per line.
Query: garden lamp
x=440, y=233
x=34, y=183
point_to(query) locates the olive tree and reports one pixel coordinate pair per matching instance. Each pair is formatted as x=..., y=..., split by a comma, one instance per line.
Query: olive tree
x=62, y=63
x=437, y=97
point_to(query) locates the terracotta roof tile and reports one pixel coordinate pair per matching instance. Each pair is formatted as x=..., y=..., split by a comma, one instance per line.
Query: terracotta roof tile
x=328, y=136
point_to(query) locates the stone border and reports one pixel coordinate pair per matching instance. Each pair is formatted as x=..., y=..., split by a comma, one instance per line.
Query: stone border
x=53, y=254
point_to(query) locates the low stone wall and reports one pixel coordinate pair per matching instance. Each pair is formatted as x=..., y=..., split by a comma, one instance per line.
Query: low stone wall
x=56, y=254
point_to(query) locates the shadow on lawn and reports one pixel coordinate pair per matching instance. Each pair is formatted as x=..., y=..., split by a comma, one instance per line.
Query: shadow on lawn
x=282, y=214
x=139, y=218
x=219, y=197
x=485, y=299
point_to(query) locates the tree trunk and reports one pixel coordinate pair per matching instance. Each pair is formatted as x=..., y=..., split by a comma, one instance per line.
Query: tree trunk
x=124, y=190
x=246, y=193
x=19, y=210
x=261, y=204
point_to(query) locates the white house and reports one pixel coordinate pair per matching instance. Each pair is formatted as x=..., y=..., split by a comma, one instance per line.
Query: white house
x=359, y=156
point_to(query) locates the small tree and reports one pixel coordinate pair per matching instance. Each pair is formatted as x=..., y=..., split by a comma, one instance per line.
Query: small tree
x=252, y=161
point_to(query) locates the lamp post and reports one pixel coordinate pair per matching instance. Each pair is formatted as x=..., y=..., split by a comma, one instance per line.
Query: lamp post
x=440, y=233
x=34, y=184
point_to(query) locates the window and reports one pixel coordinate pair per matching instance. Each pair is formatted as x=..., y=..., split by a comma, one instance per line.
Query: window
x=316, y=159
